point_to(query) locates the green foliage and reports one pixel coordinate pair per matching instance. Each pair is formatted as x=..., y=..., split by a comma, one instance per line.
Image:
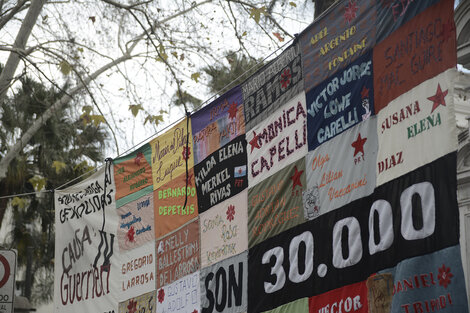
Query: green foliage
x=58, y=152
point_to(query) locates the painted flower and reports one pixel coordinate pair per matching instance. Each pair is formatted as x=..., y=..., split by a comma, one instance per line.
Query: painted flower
x=285, y=78
x=186, y=153
x=350, y=11
x=138, y=158
x=132, y=306
x=130, y=234
x=444, y=276
x=230, y=213
x=161, y=295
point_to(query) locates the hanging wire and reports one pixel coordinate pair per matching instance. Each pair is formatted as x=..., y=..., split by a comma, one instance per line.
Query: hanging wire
x=187, y=115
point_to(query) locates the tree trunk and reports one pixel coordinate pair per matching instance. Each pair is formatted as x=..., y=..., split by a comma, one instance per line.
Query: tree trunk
x=20, y=43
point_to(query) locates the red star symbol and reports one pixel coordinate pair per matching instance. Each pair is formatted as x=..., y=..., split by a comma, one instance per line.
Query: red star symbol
x=138, y=158
x=132, y=306
x=444, y=276
x=350, y=12
x=285, y=78
x=232, y=111
x=254, y=142
x=358, y=145
x=186, y=153
x=161, y=295
x=130, y=234
x=447, y=29
x=230, y=213
x=195, y=311
x=364, y=92
x=296, y=178
x=438, y=98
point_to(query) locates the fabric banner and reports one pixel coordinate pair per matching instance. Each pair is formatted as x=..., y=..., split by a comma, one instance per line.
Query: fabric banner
x=421, y=49
x=216, y=124
x=272, y=86
x=138, y=271
x=298, y=306
x=141, y=304
x=429, y=283
x=279, y=140
x=224, y=286
x=412, y=127
x=133, y=175
x=136, y=223
x=224, y=230
x=178, y=254
x=341, y=170
x=170, y=151
x=410, y=216
x=351, y=298
x=340, y=102
x=87, y=260
x=222, y=174
x=170, y=210
x=182, y=296
x=275, y=204
x=336, y=39
x=391, y=14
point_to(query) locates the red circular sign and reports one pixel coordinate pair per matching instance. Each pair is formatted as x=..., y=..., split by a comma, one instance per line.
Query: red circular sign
x=6, y=275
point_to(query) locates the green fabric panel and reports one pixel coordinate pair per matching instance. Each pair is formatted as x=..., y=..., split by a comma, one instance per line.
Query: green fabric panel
x=275, y=204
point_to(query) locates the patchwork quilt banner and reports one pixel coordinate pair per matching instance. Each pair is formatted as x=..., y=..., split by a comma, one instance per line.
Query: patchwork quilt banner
x=170, y=209
x=138, y=271
x=141, y=304
x=275, y=204
x=136, y=223
x=87, y=273
x=182, y=296
x=341, y=170
x=133, y=175
x=224, y=230
x=178, y=254
x=170, y=152
x=410, y=216
x=430, y=283
x=272, y=86
x=417, y=127
x=277, y=141
x=216, y=124
x=337, y=39
x=222, y=174
x=419, y=50
x=340, y=102
x=224, y=286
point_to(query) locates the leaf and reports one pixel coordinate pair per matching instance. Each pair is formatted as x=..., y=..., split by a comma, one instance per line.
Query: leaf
x=255, y=13
x=97, y=119
x=87, y=109
x=195, y=76
x=244, y=33
x=154, y=119
x=135, y=108
x=121, y=89
x=65, y=67
x=19, y=202
x=174, y=54
x=59, y=166
x=293, y=4
x=181, y=57
x=83, y=167
x=38, y=182
x=92, y=18
x=162, y=56
x=279, y=37
x=80, y=49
